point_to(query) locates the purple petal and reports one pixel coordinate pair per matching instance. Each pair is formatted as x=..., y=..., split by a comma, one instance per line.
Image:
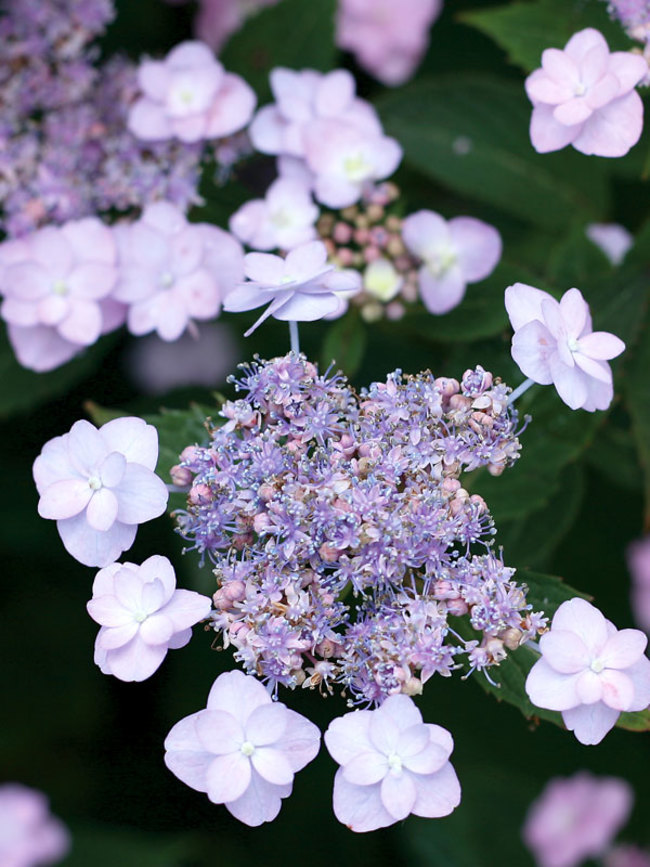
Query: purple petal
x=579, y=616
x=441, y=293
x=186, y=607
x=264, y=268
x=413, y=740
x=437, y=794
x=548, y=689
x=365, y=769
x=232, y=108
x=384, y=732
x=91, y=547
x=424, y=233
x=628, y=68
x=272, y=765
x=541, y=87
x=570, y=383
x=582, y=42
x=104, y=583
x=639, y=674
x=305, y=261
x=184, y=757
x=573, y=112
x=533, y=346
x=349, y=735
x=141, y=495
x=428, y=761
x=307, y=308
x=548, y=134
x=478, y=247
x=86, y=447
x=53, y=464
x=590, y=722
x=134, y=438
x=228, y=777
x=261, y=802
x=613, y=129
x=564, y=651
x=219, y=732
x=41, y=348
x=266, y=725
x=524, y=303
x=398, y=794
x=238, y=694
x=360, y=808
x=300, y=742
x=589, y=687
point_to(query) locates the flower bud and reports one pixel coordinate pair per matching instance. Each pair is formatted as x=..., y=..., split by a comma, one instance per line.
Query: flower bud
x=181, y=476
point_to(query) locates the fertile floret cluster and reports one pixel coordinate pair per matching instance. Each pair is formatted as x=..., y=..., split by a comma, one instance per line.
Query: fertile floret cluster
x=341, y=534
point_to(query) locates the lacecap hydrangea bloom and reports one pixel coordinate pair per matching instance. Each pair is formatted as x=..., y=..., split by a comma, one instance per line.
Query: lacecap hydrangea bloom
x=142, y=615
x=576, y=818
x=29, y=835
x=590, y=671
x=584, y=96
x=98, y=485
x=554, y=343
x=392, y=764
x=243, y=750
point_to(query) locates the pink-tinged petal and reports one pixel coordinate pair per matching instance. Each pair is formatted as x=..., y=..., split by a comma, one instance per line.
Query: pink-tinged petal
x=158, y=569
x=92, y=280
x=590, y=722
x=200, y=294
x=548, y=134
x=154, y=79
x=128, y=586
x=524, y=303
x=402, y=710
x=50, y=249
x=575, y=111
x=171, y=316
x=334, y=93
x=85, y=446
x=27, y=281
x=266, y=725
x=598, y=370
x=232, y=108
x=413, y=740
x=548, y=689
x=533, y=346
x=478, y=247
x=347, y=280
x=366, y=769
x=64, y=499
x=53, y=464
x=246, y=296
x=441, y=293
x=136, y=283
x=51, y=310
x=219, y=732
x=599, y=395
x=267, y=130
x=307, y=308
x=112, y=469
x=228, y=777
x=582, y=42
x=153, y=596
x=564, y=651
x=148, y=122
x=437, y=794
x=613, y=129
x=428, y=761
x=593, y=66
x=570, y=382
x=184, y=757
x=264, y=268
x=639, y=674
x=618, y=689
x=101, y=513
x=349, y=735
x=336, y=192
x=604, y=91
x=104, y=583
x=306, y=261
x=559, y=66
x=601, y=345
x=261, y=802
x=541, y=87
x=136, y=661
x=383, y=732
x=441, y=737
x=250, y=224
x=574, y=312
x=186, y=251
x=398, y=794
x=20, y=312
x=184, y=738
x=186, y=608
x=589, y=687
x=424, y=233
x=90, y=240
x=141, y=495
x=272, y=765
x=360, y=808
x=189, y=54
x=157, y=629
x=91, y=547
x=300, y=742
x=628, y=68
x=111, y=638
x=107, y=611
x=134, y=438
x=579, y=616
x=83, y=324
x=238, y=694
x=180, y=639
x=41, y=348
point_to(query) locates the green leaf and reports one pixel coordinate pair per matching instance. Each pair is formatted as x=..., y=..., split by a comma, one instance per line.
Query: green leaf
x=525, y=29
x=476, y=142
x=613, y=453
x=23, y=389
x=345, y=343
x=293, y=33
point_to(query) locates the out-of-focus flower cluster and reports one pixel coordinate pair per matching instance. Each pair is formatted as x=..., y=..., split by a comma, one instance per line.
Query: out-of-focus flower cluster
x=310, y=492
x=30, y=836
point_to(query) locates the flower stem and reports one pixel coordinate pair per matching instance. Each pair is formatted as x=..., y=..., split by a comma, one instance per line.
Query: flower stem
x=293, y=334
x=525, y=385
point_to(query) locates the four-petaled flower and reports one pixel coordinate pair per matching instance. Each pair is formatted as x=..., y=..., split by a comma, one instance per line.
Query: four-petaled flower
x=392, y=764
x=142, y=615
x=99, y=485
x=243, y=749
x=554, y=343
x=590, y=671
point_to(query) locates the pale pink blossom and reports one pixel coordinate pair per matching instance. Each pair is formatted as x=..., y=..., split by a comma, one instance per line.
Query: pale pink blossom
x=283, y=219
x=576, y=818
x=29, y=835
x=638, y=561
x=584, y=96
x=454, y=253
x=98, y=485
x=172, y=272
x=613, y=239
x=217, y=20
x=554, y=343
x=243, y=750
x=300, y=288
x=590, y=671
x=189, y=96
x=304, y=97
x=142, y=615
x=626, y=856
x=56, y=284
x=392, y=764
x=388, y=39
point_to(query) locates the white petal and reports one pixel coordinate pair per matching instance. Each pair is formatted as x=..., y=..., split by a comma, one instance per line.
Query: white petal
x=64, y=499
x=141, y=495
x=438, y=794
x=261, y=802
x=590, y=722
x=238, y=694
x=272, y=765
x=398, y=794
x=91, y=547
x=101, y=513
x=136, y=661
x=548, y=689
x=266, y=725
x=228, y=777
x=219, y=732
x=360, y=808
x=348, y=735
x=134, y=438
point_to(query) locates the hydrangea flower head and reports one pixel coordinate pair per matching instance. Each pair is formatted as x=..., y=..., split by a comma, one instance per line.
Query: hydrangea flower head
x=282, y=220
x=173, y=272
x=454, y=253
x=243, y=750
x=189, y=96
x=29, y=835
x=576, y=818
x=99, y=485
x=302, y=287
x=392, y=764
x=584, y=96
x=554, y=343
x=142, y=615
x=590, y=671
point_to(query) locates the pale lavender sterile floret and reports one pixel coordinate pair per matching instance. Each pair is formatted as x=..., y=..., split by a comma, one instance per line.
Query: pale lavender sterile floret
x=142, y=615
x=392, y=764
x=576, y=818
x=285, y=218
x=243, y=750
x=310, y=490
x=638, y=562
x=30, y=836
x=99, y=485
x=590, y=671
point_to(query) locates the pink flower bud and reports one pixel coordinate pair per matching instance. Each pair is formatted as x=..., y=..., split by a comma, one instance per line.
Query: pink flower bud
x=199, y=495
x=181, y=476
x=457, y=607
